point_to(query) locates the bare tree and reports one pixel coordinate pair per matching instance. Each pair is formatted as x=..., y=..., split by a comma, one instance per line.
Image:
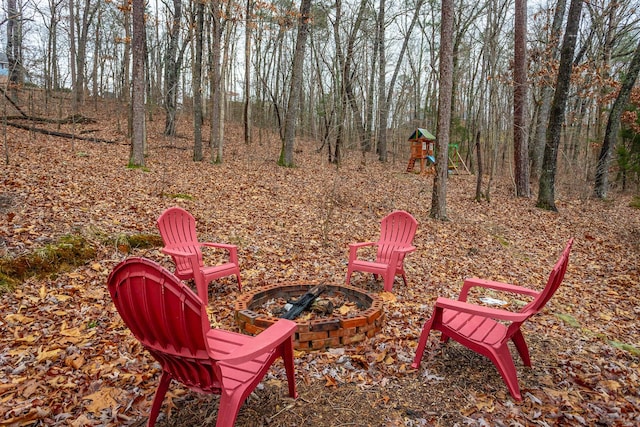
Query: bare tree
x=172, y=65
x=385, y=96
x=539, y=135
x=197, y=85
x=215, y=82
x=248, y=122
x=14, y=47
x=439, y=196
x=382, y=79
x=138, y=89
x=546, y=192
x=521, y=152
x=293, y=107
x=82, y=25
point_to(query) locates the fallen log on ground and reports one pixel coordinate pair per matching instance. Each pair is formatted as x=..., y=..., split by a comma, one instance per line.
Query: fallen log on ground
x=60, y=134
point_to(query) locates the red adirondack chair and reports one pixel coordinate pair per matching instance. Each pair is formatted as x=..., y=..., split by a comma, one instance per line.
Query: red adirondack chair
x=171, y=323
x=396, y=238
x=178, y=230
x=486, y=330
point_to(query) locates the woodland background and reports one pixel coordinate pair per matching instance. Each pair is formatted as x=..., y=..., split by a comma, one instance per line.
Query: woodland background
x=76, y=199
x=359, y=67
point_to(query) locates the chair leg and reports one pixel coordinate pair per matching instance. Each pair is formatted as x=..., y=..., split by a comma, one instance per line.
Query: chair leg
x=287, y=358
x=521, y=346
x=229, y=409
x=163, y=386
x=239, y=282
x=202, y=286
x=424, y=336
x=501, y=358
x=388, y=282
x=349, y=272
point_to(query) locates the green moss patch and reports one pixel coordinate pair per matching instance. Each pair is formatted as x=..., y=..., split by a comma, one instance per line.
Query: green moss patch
x=67, y=253
x=126, y=243
x=70, y=251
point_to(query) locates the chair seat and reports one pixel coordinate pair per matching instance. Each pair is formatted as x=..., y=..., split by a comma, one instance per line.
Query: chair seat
x=370, y=266
x=238, y=375
x=475, y=328
x=215, y=271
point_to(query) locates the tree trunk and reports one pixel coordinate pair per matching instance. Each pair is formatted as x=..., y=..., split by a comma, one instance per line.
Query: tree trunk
x=382, y=90
x=247, y=73
x=172, y=70
x=96, y=54
x=138, y=89
x=216, y=82
x=546, y=191
x=72, y=52
x=348, y=76
x=439, y=196
x=521, y=152
x=385, y=100
x=613, y=126
x=341, y=76
x=126, y=59
x=540, y=138
x=14, y=47
x=88, y=12
x=286, y=153
x=479, y=176
x=197, y=85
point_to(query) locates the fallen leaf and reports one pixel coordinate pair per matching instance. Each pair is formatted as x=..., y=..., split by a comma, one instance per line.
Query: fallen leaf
x=330, y=381
x=49, y=355
x=388, y=296
x=102, y=399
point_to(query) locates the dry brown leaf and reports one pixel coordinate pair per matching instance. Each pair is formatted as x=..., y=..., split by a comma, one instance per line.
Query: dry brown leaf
x=102, y=399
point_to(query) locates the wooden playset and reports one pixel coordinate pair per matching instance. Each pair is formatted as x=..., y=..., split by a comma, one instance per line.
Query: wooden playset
x=422, y=149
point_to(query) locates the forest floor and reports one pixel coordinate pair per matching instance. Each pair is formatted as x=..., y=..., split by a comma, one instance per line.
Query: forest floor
x=67, y=359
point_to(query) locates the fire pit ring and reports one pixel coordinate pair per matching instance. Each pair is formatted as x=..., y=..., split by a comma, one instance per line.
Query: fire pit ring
x=334, y=331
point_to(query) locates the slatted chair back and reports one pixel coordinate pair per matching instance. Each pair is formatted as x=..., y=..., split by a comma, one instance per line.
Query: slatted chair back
x=167, y=318
x=172, y=324
x=178, y=230
x=397, y=230
x=553, y=283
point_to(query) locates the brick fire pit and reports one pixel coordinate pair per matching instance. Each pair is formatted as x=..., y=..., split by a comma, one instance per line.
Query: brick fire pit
x=334, y=331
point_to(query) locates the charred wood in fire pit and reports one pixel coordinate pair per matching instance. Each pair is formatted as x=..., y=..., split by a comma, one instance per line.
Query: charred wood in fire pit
x=322, y=306
x=301, y=304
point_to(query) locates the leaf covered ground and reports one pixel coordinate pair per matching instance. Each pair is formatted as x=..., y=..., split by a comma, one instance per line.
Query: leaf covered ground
x=67, y=359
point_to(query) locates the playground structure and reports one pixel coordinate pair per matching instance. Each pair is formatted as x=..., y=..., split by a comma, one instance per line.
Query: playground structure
x=423, y=149
x=455, y=161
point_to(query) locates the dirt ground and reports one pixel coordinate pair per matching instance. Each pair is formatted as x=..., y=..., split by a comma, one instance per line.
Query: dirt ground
x=66, y=358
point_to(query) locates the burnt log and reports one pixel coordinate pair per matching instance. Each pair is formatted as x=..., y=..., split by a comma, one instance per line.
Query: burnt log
x=301, y=304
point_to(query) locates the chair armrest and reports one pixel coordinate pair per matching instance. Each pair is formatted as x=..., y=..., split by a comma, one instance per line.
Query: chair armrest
x=176, y=252
x=264, y=342
x=220, y=246
x=498, y=286
x=361, y=245
x=405, y=250
x=353, y=249
x=478, y=310
x=233, y=249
